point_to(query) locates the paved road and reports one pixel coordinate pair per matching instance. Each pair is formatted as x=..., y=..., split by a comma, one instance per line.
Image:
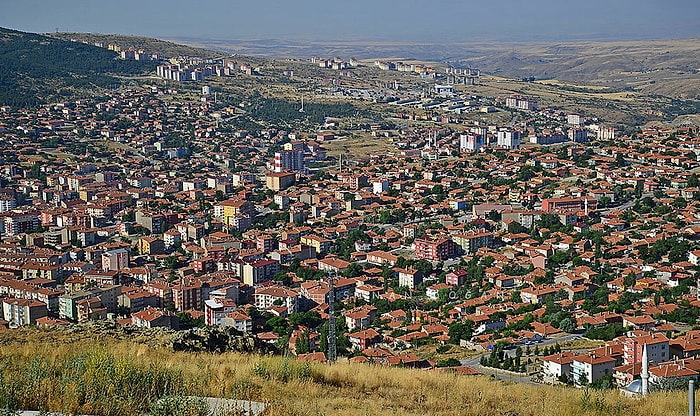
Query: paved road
x=510, y=376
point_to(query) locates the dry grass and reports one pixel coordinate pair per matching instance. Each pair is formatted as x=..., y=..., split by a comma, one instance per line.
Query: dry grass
x=43, y=376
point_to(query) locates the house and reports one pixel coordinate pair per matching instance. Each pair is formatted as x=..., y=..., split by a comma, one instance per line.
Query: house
x=642, y=322
x=333, y=265
x=433, y=292
x=587, y=368
x=153, y=318
x=364, y=339
x=360, y=318
x=381, y=257
x=456, y=278
x=557, y=365
x=409, y=277
x=239, y=320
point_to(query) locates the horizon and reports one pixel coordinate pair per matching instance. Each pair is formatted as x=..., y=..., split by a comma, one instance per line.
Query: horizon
x=450, y=22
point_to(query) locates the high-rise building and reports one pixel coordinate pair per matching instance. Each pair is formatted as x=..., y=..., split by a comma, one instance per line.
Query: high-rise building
x=508, y=139
x=289, y=160
x=470, y=142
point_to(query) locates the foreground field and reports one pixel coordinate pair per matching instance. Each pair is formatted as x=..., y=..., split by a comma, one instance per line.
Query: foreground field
x=112, y=377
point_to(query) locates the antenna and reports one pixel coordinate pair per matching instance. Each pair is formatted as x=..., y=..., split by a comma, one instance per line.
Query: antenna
x=301, y=110
x=332, y=339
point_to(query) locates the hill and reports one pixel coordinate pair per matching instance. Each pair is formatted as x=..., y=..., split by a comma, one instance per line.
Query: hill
x=100, y=374
x=38, y=69
x=660, y=67
x=163, y=48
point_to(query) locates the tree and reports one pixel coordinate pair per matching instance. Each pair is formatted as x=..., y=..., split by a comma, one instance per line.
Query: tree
x=461, y=330
x=567, y=325
x=302, y=344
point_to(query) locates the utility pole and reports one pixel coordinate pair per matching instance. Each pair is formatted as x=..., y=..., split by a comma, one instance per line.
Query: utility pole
x=332, y=339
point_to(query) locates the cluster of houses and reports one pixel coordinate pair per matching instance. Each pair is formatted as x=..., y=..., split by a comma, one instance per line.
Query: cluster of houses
x=494, y=237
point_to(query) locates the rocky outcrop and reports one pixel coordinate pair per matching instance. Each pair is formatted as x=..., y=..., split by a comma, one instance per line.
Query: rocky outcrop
x=215, y=339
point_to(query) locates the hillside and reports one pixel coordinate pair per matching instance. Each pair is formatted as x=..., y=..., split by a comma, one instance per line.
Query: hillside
x=163, y=48
x=37, y=69
x=99, y=374
x=663, y=67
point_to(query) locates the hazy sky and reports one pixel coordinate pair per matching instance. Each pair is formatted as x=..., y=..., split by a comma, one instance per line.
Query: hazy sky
x=395, y=20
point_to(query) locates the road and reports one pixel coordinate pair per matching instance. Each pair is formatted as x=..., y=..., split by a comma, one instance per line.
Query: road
x=511, y=376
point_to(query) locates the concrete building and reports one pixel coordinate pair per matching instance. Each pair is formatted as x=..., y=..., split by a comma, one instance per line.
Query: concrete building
x=289, y=160
x=115, y=259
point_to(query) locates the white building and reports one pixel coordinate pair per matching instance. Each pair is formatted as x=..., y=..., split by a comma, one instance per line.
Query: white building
x=378, y=187
x=7, y=203
x=289, y=160
x=508, y=139
x=586, y=369
x=470, y=142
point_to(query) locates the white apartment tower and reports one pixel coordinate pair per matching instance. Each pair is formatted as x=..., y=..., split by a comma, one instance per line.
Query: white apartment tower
x=508, y=139
x=289, y=160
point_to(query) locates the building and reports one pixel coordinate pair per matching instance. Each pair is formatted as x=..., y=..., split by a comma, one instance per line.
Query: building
x=21, y=312
x=155, y=318
x=658, y=348
x=569, y=204
x=435, y=250
x=457, y=277
x=322, y=245
x=557, y=365
x=19, y=222
x=471, y=142
x=115, y=259
x=68, y=303
x=471, y=242
x=508, y=139
x=268, y=297
x=520, y=103
x=150, y=245
x=215, y=311
x=260, y=271
x=289, y=161
x=239, y=321
x=588, y=368
x=278, y=181
x=409, y=277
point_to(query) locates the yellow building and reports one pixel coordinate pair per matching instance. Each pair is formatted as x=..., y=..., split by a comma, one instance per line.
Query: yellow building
x=278, y=181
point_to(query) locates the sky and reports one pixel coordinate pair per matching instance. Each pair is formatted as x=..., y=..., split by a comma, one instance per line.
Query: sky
x=370, y=20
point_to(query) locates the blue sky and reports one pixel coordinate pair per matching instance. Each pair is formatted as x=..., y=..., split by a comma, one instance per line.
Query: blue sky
x=372, y=20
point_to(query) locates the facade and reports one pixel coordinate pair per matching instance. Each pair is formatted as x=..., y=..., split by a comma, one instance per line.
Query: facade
x=21, y=312
x=585, y=369
x=115, y=259
x=471, y=142
x=278, y=181
x=435, y=250
x=289, y=160
x=508, y=139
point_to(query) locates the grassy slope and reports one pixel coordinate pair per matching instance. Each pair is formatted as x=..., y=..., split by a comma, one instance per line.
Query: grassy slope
x=37, y=69
x=108, y=376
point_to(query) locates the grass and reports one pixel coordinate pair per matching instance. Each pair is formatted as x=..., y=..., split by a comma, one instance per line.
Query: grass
x=126, y=378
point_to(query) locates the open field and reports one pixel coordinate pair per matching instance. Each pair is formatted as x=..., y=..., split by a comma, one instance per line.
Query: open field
x=123, y=377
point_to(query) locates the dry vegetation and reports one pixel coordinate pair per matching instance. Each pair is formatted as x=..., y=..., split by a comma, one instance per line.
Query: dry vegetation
x=124, y=377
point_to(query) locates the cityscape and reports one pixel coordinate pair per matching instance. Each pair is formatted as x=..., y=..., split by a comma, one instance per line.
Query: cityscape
x=347, y=216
